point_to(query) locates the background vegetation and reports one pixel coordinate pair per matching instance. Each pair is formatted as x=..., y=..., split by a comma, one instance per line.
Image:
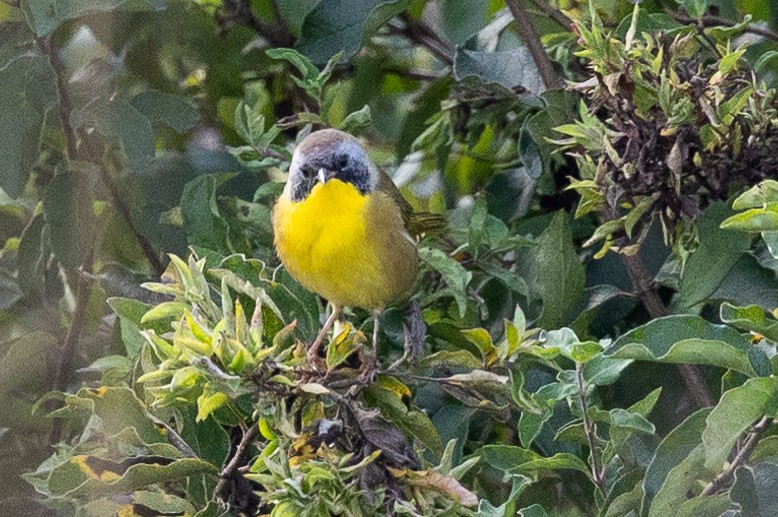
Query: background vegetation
x=593, y=335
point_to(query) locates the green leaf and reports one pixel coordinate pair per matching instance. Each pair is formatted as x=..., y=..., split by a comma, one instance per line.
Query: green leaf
x=676, y=446
x=68, y=207
x=533, y=511
x=756, y=490
x=695, y=8
x=130, y=313
x=737, y=410
x=715, y=256
x=207, y=438
x=75, y=480
x=341, y=25
x=754, y=220
x=44, y=16
x=560, y=274
x=411, y=421
x=29, y=92
x=684, y=339
x=752, y=318
x=175, y=111
x=23, y=367
x=508, y=68
x=680, y=479
x=518, y=460
x=703, y=506
x=203, y=223
x=357, y=121
x=457, y=277
x=208, y=403
x=757, y=196
x=117, y=119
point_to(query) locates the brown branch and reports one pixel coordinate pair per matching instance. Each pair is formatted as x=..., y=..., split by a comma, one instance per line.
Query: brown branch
x=422, y=34
x=751, y=441
x=717, y=21
x=68, y=350
x=648, y=296
x=65, y=105
x=235, y=463
x=597, y=473
x=531, y=40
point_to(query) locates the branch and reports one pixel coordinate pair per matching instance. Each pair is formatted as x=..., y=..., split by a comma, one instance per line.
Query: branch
x=83, y=293
x=752, y=439
x=74, y=154
x=240, y=451
x=717, y=21
x=421, y=33
x=648, y=296
x=598, y=473
x=531, y=39
x=65, y=106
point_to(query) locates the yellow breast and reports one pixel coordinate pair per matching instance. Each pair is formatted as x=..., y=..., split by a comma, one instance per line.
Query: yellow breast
x=350, y=248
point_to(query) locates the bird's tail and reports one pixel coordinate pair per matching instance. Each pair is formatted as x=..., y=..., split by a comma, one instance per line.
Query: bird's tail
x=426, y=223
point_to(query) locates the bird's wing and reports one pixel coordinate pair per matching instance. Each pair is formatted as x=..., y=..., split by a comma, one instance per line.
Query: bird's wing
x=416, y=223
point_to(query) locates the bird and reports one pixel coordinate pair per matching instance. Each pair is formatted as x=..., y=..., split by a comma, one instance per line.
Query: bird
x=343, y=230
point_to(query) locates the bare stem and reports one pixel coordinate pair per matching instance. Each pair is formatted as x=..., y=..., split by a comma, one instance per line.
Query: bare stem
x=235, y=463
x=531, y=39
x=597, y=473
x=751, y=441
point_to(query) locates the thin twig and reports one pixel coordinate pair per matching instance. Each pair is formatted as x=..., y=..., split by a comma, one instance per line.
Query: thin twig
x=751, y=441
x=597, y=473
x=235, y=463
x=717, y=21
x=531, y=39
x=68, y=350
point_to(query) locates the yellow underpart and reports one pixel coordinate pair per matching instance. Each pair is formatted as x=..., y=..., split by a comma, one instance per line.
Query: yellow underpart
x=350, y=248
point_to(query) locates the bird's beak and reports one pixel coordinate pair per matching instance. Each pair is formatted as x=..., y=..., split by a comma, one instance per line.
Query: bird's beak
x=322, y=176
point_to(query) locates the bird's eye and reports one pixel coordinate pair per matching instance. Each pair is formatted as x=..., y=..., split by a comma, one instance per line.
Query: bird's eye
x=342, y=161
x=307, y=171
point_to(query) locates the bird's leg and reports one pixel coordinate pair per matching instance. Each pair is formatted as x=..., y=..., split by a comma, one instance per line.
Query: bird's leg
x=368, y=368
x=313, y=351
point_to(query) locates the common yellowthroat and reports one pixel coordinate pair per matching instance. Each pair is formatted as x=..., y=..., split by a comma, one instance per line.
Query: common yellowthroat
x=343, y=230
